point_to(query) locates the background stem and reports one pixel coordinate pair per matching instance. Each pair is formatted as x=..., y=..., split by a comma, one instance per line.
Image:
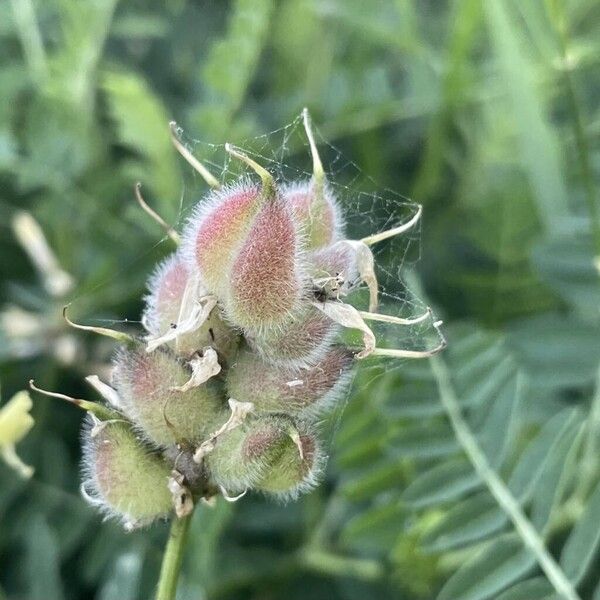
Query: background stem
x=173, y=557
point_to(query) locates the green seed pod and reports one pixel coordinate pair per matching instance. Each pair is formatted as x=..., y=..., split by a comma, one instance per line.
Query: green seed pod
x=242, y=456
x=296, y=469
x=283, y=389
x=168, y=287
x=147, y=385
x=122, y=476
x=301, y=342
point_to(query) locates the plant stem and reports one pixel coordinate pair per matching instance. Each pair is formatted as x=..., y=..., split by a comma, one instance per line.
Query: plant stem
x=496, y=486
x=173, y=557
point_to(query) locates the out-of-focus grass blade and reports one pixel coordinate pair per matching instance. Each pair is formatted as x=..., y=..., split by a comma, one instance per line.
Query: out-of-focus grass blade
x=124, y=578
x=539, y=148
x=142, y=123
x=42, y=563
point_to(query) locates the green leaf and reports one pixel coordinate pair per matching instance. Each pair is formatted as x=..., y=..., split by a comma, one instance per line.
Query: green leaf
x=376, y=528
x=478, y=388
x=428, y=440
x=597, y=593
x=536, y=588
x=496, y=433
x=471, y=520
x=583, y=542
x=555, y=350
x=499, y=565
x=378, y=478
x=530, y=466
x=558, y=473
x=565, y=262
x=443, y=483
x=417, y=400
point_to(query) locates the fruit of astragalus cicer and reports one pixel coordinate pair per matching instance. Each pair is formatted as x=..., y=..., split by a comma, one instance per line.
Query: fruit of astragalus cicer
x=249, y=253
x=290, y=390
x=173, y=293
x=148, y=386
x=297, y=469
x=122, y=475
x=269, y=454
x=302, y=342
x=315, y=211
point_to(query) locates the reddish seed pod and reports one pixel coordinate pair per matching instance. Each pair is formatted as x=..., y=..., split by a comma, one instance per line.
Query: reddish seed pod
x=272, y=454
x=315, y=210
x=249, y=254
x=168, y=287
x=147, y=382
x=289, y=390
x=217, y=230
x=266, y=281
x=300, y=343
x=122, y=475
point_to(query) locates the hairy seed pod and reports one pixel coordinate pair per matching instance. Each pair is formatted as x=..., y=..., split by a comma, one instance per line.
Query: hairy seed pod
x=296, y=469
x=315, y=211
x=289, y=390
x=122, y=475
x=243, y=455
x=300, y=343
x=217, y=230
x=147, y=382
x=167, y=288
x=266, y=281
x=249, y=253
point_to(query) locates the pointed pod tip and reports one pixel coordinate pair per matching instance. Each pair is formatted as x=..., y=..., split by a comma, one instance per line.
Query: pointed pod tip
x=318, y=172
x=266, y=177
x=208, y=177
x=104, y=331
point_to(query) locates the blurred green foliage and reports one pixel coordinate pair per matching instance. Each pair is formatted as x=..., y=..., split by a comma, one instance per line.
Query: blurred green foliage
x=487, y=113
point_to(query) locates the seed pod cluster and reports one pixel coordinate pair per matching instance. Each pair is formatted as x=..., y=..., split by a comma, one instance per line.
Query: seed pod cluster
x=224, y=391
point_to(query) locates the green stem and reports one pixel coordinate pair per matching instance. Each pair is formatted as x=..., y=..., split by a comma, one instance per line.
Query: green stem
x=173, y=557
x=496, y=486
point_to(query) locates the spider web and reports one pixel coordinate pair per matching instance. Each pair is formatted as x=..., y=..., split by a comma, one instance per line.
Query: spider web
x=367, y=208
